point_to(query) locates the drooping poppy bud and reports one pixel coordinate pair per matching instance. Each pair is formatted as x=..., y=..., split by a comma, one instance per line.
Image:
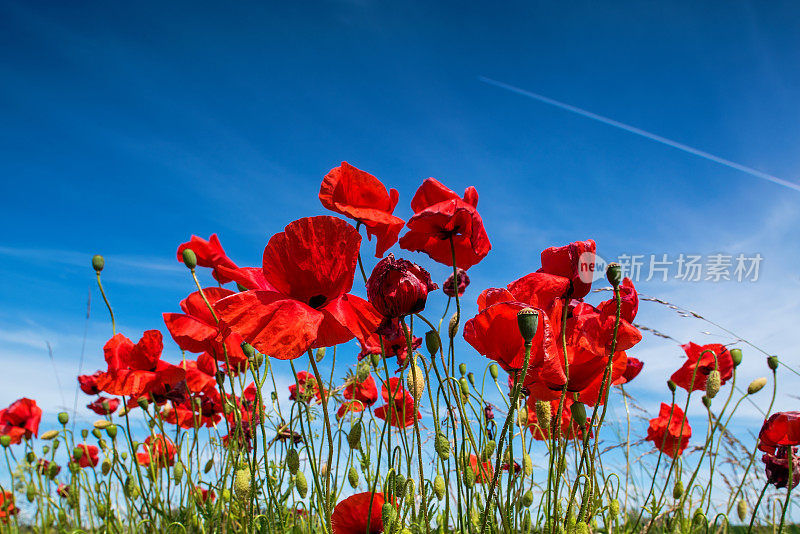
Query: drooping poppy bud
x=713, y=384
x=527, y=498
x=354, y=436
x=292, y=461
x=756, y=385
x=397, y=288
x=352, y=477
x=301, y=484
x=442, y=446
x=432, y=342
x=488, y=450
x=50, y=434
x=677, y=490
x=578, y=413
x=439, y=487
x=452, y=328
x=772, y=362
x=416, y=381
x=98, y=262
x=672, y=385
x=741, y=510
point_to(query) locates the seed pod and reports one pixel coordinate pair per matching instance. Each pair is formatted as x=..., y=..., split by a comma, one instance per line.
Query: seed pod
x=292, y=461
x=527, y=464
x=527, y=498
x=96, y=433
x=756, y=385
x=488, y=450
x=741, y=509
x=452, y=328
x=354, y=436
x=613, y=508
x=677, y=490
x=50, y=434
x=301, y=484
x=105, y=467
x=528, y=323
x=736, y=356
x=63, y=418
x=177, y=472
x=209, y=465
x=713, y=383
x=469, y=477
x=494, y=370
x=189, y=258
x=706, y=401
x=416, y=381
x=432, y=342
x=352, y=477
x=439, y=487
x=442, y=446
x=614, y=274
x=772, y=362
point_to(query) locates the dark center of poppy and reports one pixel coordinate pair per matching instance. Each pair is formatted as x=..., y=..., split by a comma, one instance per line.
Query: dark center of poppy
x=316, y=301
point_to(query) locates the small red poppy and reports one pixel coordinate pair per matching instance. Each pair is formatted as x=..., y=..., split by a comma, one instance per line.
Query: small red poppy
x=632, y=370
x=308, y=388
x=439, y=214
x=362, y=197
x=209, y=254
x=20, y=420
x=158, y=450
x=352, y=515
x=670, y=434
x=104, y=405
x=483, y=470
x=364, y=391
x=574, y=262
x=90, y=456
x=397, y=288
x=7, y=507
x=200, y=410
x=88, y=383
x=311, y=266
x=704, y=365
x=450, y=286
x=781, y=429
x=399, y=403
x=776, y=466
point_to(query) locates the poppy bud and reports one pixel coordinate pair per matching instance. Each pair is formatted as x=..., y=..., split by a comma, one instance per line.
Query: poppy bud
x=578, y=413
x=526, y=522
x=494, y=370
x=320, y=354
x=713, y=383
x=736, y=356
x=756, y=385
x=439, y=487
x=101, y=509
x=362, y=371
x=672, y=386
x=398, y=287
x=177, y=472
x=30, y=457
x=292, y=461
x=63, y=418
x=741, y=509
x=613, y=508
x=98, y=262
x=527, y=464
x=471, y=378
x=772, y=362
x=706, y=401
x=209, y=465
x=464, y=386
x=442, y=446
x=105, y=467
x=699, y=517
x=399, y=484
x=77, y=453
x=142, y=402
x=528, y=322
x=50, y=434
x=527, y=498
x=614, y=274
x=469, y=477
x=354, y=436
x=241, y=483
x=96, y=433
x=248, y=350
x=101, y=424
x=677, y=490
x=452, y=328
x=301, y=484
x=388, y=516
x=462, y=368
x=111, y=431
x=543, y=416
x=30, y=492
x=189, y=258
x=581, y=528
x=522, y=415
x=416, y=381
x=432, y=342
x=488, y=450
x=352, y=477
x=375, y=359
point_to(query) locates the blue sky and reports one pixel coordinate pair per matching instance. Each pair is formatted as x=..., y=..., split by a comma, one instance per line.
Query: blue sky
x=128, y=127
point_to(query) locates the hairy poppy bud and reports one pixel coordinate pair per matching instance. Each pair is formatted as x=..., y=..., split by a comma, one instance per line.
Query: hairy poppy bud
x=398, y=287
x=713, y=383
x=462, y=368
x=101, y=424
x=111, y=431
x=96, y=433
x=527, y=498
x=488, y=450
x=63, y=418
x=756, y=385
x=741, y=510
x=30, y=492
x=30, y=457
x=469, y=477
x=464, y=386
x=354, y=436
x=522, y=415
x=452, y=328
x=320, y=354
x=581, y=528
x=736, y=356
x=543, y=416
x=578, y=413
x=471, y=378
x=416, y=380
x=528, y=322
x=241, y=483
x=362, y=371
x=248, y=350
x=772, y=362
x=323, y=469
x=352, y=477
x=672, y=385
x=209, y=465
x=614, y=274
x=189, y=258
x=494, y=370
x=142, y=402
x=613, y=508
x=301, y=484
x=50, y=434
x=442, y=446
x=706, y=401
x=105, y=467
x=699, y=517
x=292, y=461
x=526, y=522
x=677, y=490
x=77, y=453
x=375, y=359
x=432, y=342
x=98, y=262
x=388, y=516
x=527, y=464
x=177, y=472
x=439, y=487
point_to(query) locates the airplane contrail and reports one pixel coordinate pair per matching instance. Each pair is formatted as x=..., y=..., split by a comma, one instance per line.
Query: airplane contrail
x=643, y=133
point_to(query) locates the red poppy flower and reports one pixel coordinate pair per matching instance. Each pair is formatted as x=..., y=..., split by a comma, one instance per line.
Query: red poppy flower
x=90, y=456
x=776, y=466
x=62, y=490
x=88, y=383
x=158, y=450
x=137, y=370
x=399, y=401
x=346, y=407
x=782, y=428
x=352, y=515
x=7, y=507
x=201, y=410
x=362, y=197
x=311, y=265
x=629, y=302
x=439, y=214
x=308, y=388
x=494, y=333
x=196, y=330
x=209, y=254
x=704, y=365
x=575, y=262
x=394, y=343
x=483, y=472
x=670, y=434
x=449, y=286
x=201, y=375
x=564, y=426
x=365, y=391
x=104, y=406
x=632, y=370
x=203, y=495
x=20, y=420
x=397, y=288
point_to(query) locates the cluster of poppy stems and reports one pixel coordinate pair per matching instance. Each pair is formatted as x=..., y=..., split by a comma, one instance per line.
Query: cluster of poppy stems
x=562, y=356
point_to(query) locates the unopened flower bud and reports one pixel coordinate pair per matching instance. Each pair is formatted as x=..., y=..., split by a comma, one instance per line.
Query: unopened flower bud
x=706, y=401
x=399, y=484
x=677, y=490
x=105, y=467
x=111, y=431
x=672, y=385
x=30, y=492
x=462, y=368
x=375, y=359
x=494, y=370
x=439, y=487
x=464, y=386
x=613, y=508
x=442, y=446
x=527, y=464
x=416, y=381
x=471, y=378
x=522, y=416
x=354, y=436
x=736, y=356
x=388, y=516
x=96, y=433
x=432, y=342
x=352, y=477
x=543, y=415
x=320, y=354
x=713, y=383
x=578, y=413
x=248, y=350
x=30, y=457
x=772, y=362
x=189, y=258
x=756, y=385
x=362, y=371
x=528, y=322
x=301, y=484
x=101, y=424
x=98, y=262
x=241, y=483
x=452, y=328
x=741, y=510
x=63, y=418
x=177, y=472
x=142, y=402
x=77, y=453
x=292, y=461
x=488, y=450
x=469, y=477
x=50, y=434
x=527, y=498
x=614, y=274
x=209, y=466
